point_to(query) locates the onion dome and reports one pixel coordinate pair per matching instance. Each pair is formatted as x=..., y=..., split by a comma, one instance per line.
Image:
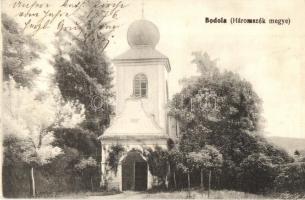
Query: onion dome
x=143, y=33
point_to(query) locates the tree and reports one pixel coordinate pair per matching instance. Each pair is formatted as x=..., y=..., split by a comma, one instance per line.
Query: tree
x=296, y=153
x=215, y=102
x=182, y=164
x=19, y=52
x=28, y=119
x=299, y=155
x=208, y=159
x=220, y=108
x=83, y=71
x=174, y=157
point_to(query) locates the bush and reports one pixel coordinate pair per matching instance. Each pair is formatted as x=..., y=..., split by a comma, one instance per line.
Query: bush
x=291, y=178
x=256, y=173
x=157, y=161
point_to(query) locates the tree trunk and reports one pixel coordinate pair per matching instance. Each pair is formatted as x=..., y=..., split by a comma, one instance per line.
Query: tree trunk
x=189, y=184
x=210, y=174
x=91, y=184
x=33, y=182
x=201, y=179
x=167, y=175
x=175, y=183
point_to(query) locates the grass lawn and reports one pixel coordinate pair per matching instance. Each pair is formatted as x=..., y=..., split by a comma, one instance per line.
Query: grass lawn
x=80, y=195
x=195, y=194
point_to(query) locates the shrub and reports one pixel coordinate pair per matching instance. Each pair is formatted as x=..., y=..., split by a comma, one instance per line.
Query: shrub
x=256, y=173
x=157, y=160
x=291, y=178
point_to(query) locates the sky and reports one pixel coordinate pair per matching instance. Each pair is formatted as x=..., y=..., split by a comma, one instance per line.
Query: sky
x=270, y=56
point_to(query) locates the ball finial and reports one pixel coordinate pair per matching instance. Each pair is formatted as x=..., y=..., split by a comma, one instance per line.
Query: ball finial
x=143, y=33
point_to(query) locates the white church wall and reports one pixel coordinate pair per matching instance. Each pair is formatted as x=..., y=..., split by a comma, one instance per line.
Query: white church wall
x=162, y=97
x=156, y=99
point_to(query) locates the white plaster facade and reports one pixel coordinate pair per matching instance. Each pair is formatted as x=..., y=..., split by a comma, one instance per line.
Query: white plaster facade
x=156, y=100
x=140, y=122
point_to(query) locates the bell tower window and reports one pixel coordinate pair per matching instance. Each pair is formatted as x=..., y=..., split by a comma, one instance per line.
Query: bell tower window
x=140, y=86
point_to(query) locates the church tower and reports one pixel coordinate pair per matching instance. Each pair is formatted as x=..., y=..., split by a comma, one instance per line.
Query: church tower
x=142, y=71
x=141, y=118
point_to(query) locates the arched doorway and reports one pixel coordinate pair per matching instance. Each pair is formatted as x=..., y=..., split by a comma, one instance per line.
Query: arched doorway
x=134, y=172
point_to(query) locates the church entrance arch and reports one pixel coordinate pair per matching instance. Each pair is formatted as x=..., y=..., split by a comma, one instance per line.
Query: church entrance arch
x=134, y=172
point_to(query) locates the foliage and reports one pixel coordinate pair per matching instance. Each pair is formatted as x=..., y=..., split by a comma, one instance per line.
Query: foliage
x=256, y=173
x=82, y=140
x=86, y=163
x=158, y=160
x=19, y=51
x=83, y=72
x=291, y=178
x=79, y=144
x=178, y=160
x=215, y=102
x=114, y=155
x=299, y=155
x=83, y=76
x=29, y=117
x=221, y=109
x=51, y=179
x=88, y=168
x=207, y=158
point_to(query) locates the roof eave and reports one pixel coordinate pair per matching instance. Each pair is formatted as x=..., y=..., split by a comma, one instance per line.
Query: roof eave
x=141, y=60
x=124, y=137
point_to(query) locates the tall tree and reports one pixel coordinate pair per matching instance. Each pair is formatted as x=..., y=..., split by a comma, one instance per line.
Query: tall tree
x=220, y=108
x=83, y=71
x=19, y=51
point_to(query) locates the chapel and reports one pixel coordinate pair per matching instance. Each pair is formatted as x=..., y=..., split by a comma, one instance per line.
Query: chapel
x=141, y=119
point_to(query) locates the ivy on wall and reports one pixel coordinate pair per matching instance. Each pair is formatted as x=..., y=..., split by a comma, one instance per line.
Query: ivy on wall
x=114, y=155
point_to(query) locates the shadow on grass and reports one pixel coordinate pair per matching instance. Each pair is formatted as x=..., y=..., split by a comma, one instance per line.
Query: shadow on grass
x=199, y=193
x=81, y=194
